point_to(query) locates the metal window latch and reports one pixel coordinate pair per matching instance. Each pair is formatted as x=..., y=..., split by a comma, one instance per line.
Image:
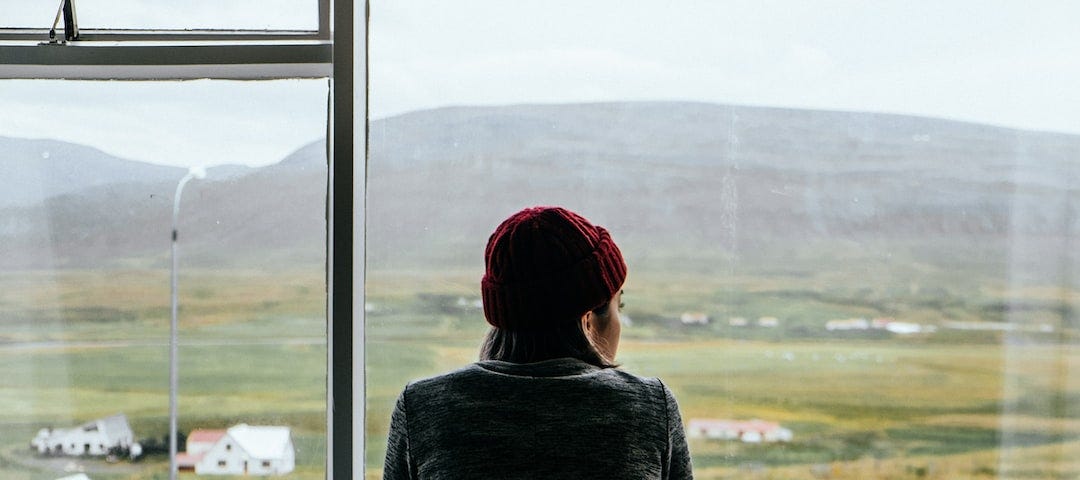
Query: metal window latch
x=71, y=25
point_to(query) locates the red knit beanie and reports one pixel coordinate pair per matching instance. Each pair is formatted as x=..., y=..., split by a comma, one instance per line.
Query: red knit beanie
x=545, y=264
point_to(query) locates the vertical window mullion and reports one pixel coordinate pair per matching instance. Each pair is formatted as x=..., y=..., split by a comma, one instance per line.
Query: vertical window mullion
x=346, y=243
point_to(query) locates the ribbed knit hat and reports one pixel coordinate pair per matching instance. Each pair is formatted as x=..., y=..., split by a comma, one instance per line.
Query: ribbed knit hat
x=545, y=264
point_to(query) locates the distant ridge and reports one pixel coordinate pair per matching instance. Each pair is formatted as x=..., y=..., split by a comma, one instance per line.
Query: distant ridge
x=670, y=178
x=36, y=169
x=704, y=177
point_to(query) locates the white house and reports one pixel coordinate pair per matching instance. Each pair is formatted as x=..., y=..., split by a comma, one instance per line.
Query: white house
x=92, y=438
x=768, y=322
x=747, y=431
x=77, y=476
x=847, y=324
x=903, y=328
x=248, y=450
x=694, y=318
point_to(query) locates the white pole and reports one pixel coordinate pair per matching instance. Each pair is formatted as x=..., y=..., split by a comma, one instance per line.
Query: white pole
x=174, y=374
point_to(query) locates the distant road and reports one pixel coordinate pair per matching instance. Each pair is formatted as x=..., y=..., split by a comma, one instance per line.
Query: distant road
x=20, y=455
x=209, y=342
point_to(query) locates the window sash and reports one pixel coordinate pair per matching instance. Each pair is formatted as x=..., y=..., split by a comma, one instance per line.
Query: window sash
x=338, y=51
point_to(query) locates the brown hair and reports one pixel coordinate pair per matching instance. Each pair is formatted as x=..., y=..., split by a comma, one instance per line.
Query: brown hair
x=559, y=339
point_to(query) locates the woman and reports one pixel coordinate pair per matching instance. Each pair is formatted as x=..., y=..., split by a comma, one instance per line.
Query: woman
x=546, y=400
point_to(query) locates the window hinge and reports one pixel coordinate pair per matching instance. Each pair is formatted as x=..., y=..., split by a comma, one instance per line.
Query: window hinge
x=71, y=25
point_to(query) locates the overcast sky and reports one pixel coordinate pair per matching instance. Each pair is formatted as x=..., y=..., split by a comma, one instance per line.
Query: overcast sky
x=986, y=61
x=189, y=123
x=990, y=61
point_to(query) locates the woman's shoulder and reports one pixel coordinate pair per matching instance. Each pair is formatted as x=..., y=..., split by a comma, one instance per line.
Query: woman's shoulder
x=435, y=381
x=554, y=373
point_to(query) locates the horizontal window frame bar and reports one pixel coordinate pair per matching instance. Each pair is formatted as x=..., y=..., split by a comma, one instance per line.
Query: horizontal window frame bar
x=120, y=35
x=166, y=61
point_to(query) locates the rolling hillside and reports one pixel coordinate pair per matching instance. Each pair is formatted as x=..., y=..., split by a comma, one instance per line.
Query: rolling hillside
x=672, y=181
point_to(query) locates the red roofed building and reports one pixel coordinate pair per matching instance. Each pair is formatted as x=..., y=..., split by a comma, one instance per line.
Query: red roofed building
x=198, y=443
x=748, y=431
x=241, y=450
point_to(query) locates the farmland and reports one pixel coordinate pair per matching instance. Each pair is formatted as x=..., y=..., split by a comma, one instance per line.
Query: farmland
x=861, y=407
x=83, y=344
x=80, y=345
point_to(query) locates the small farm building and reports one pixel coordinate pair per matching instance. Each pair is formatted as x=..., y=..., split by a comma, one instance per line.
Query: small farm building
x=768, y=322
x=694, y=318
x=92, y=438
x=847, y=324
x=748, y=431
x=240, y=450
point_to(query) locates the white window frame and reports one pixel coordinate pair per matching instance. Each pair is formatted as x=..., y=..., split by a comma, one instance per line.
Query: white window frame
x=337, y=50
x=128, y=54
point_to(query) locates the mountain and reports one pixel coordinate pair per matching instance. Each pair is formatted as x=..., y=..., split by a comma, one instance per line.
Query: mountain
x=237, y=214
x=715, y=179
x=35, y=169
x=674, y=182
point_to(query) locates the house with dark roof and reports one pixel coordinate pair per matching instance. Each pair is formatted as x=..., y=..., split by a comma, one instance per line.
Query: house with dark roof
x=95, y=438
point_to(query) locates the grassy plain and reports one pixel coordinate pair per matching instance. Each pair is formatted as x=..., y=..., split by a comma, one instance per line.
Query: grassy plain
x=861, y=404
x=77, y=345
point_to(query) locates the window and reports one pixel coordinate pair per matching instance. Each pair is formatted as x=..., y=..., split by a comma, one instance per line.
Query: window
x=95, y=314
x=221, y=463
x=251, y=266
x=850, y=226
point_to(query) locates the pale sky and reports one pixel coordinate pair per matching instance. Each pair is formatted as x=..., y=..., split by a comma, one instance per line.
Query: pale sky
x=200, y=122
x=997, y=62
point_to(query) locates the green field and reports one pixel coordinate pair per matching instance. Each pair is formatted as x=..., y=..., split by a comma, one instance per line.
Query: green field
x=252, y=350
x=861, y=405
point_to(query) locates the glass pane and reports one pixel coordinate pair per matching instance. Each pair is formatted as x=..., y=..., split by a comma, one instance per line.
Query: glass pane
x=854, y=222
x=161, y=14
x=91, y=170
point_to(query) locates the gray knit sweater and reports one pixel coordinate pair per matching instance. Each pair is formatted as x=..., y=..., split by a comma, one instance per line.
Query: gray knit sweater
x=557, y=419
